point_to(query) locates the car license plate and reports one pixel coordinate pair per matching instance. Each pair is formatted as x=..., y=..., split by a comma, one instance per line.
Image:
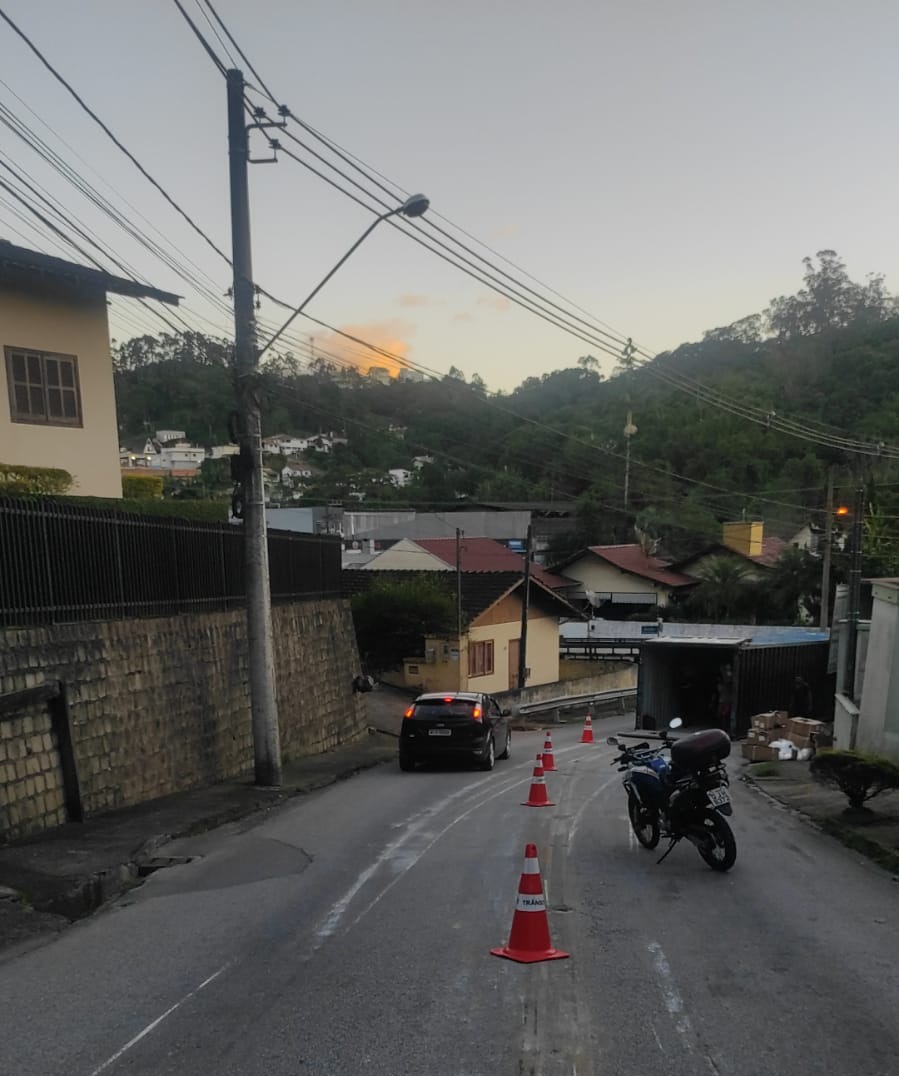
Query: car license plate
x=440, y=732
x=719, y=797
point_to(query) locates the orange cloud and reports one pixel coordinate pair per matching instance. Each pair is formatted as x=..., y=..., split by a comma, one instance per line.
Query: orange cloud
x=495, y=302
x=410, y=299
x=507, y=231
x=387, y=335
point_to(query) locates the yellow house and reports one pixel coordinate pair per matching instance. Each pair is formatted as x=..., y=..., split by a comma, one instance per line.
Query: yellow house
x=57, y=400
x=486, y=656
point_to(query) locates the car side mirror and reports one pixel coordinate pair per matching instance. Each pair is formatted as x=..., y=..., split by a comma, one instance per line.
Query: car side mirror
x=506, y=713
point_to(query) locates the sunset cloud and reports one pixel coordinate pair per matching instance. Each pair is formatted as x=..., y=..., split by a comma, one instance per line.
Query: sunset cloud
x=495, y=302
x=411, y=299
x=390, y=335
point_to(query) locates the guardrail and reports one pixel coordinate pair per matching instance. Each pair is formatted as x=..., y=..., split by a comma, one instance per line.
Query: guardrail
x=570, y=702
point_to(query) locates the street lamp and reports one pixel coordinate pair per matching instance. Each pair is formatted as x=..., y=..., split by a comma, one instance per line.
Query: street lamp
x=414, y=206
x=260, y=638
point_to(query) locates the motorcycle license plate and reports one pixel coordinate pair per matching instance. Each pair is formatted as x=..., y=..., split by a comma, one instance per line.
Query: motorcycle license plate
x=719, y=797
x=440, y=732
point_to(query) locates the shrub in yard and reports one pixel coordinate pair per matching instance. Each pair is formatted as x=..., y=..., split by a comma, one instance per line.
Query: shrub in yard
x=28, y=481
x=138, y=487
x=860, y=777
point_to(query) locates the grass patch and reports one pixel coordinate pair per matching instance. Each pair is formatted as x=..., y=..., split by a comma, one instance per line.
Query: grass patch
x=765, y=769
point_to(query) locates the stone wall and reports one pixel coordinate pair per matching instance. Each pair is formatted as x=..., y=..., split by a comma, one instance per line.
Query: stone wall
x=160, y=705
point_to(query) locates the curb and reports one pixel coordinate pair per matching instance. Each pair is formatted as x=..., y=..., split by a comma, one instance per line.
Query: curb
x=831, y=827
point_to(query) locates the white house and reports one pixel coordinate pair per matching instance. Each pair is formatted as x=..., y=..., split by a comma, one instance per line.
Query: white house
x=399, y=476
x=165, y=436
x=218, y=452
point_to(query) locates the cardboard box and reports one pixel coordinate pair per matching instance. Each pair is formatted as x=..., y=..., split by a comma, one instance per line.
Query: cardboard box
x=803, y=727
x=771, y=719
x=758, y=752
x=800, y=741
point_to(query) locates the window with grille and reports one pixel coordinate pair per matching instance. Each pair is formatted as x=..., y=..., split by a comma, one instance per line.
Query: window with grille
x=43, y=387
x=480, y=659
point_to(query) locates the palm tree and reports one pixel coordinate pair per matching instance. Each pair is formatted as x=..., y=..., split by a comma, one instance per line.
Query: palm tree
x=724, y=594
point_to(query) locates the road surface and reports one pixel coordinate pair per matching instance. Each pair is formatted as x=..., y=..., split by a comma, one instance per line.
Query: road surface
x=350, y=932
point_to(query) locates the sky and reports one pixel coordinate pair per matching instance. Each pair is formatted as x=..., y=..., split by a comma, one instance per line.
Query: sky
x=663, y=166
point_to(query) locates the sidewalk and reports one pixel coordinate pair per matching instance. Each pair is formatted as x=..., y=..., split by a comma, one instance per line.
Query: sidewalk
x=51, y=880
x=791, y=784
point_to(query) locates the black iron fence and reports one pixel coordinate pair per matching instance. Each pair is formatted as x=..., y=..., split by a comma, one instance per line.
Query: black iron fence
x=61, y=562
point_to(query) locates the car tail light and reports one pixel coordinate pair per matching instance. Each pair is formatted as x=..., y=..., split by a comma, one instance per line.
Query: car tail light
x=408, y=713
x=477, y=714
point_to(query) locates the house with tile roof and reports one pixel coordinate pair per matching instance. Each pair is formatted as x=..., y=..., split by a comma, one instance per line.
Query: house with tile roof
x=746, y=542
x=621, y=579
x=474, y=555
x=485, y=656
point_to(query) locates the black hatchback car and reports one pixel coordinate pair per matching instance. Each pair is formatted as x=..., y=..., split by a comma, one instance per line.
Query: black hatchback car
x=460, y=724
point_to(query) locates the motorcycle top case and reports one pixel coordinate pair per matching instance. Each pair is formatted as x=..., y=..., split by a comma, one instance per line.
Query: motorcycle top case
x=701, y=749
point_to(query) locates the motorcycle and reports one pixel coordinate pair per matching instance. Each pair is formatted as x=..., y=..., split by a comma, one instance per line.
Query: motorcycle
x=682, y=795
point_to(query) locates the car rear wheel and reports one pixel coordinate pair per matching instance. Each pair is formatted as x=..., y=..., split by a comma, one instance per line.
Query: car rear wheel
x=507, y=750
x=489, y=760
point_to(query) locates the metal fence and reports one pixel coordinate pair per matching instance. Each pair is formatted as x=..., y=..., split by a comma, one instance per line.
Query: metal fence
x=61, y=563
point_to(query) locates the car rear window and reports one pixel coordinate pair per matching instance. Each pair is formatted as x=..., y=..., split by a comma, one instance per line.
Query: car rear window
x=442, y=708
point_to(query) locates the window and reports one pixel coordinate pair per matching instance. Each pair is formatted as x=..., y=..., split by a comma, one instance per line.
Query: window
x=43, y=387
x=480, y=659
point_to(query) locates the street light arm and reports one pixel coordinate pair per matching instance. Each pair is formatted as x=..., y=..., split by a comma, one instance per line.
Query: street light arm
x=414, y=206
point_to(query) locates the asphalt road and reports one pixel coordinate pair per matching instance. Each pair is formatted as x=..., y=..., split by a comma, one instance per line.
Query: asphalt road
x=350, y=933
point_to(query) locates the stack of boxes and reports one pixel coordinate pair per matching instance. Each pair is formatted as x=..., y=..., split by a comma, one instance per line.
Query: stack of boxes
x=775, y=725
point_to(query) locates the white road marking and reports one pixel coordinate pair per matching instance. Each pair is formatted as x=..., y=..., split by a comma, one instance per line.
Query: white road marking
x=576, y=821
x=155, y=1023
x=674, y=1003
x=409, y=857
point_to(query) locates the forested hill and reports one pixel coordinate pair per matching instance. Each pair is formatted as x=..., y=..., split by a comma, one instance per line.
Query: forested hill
x=826, y=358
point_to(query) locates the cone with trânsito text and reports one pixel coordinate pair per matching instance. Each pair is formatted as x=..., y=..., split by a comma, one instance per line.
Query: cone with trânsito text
x=529, y=941
x=587, y=734
x=549, y=762
x=537, y=796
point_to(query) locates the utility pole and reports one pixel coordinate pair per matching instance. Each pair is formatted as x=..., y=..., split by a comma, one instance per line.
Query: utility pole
x=459, y=599
x=260, y=647
x=827, y=553
x=855, y=589
x=525, y=606
x=629, y=430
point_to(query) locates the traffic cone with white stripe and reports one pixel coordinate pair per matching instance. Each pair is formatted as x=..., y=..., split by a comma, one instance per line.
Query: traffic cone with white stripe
x=587, y=734
x=529, y=941
x=537, y=796
x=549, y=762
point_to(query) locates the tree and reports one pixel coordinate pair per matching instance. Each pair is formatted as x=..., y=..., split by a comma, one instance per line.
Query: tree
x=393, y=617
x=724, y=594
x=792, y=589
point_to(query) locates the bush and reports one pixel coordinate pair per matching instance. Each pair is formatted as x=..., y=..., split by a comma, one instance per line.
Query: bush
x=139, y=487
x=45, y=481
x=860, y=777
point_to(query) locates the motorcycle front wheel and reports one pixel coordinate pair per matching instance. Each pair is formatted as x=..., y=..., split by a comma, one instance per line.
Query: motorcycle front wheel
x=718, y=848
x=644, y=823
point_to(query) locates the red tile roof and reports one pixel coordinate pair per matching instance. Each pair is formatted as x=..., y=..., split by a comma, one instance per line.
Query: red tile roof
x=487, y=555
x=772, y=551
x=632, y=559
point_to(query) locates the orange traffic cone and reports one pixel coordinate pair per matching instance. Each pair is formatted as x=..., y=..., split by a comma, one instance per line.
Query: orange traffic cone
x=529, y=941
x=587, y=734
x=549, y=762
x=537, y=796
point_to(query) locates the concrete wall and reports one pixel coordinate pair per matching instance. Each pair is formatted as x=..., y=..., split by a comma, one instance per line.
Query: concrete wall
x=160, y=705
x=69, y=326
x=878, y=718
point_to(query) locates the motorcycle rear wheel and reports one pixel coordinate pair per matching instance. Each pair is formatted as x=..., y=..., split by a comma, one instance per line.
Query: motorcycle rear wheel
x=644, y=823
x=719, y=849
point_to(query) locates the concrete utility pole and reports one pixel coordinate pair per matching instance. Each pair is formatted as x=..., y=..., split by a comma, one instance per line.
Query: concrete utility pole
x=827, y=553
x=260, y=647
x=855, y=589
x=525, y=607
